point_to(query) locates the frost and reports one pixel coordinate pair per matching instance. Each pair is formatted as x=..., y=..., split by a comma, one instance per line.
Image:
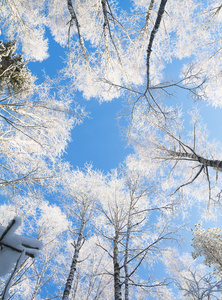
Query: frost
x=52, y=222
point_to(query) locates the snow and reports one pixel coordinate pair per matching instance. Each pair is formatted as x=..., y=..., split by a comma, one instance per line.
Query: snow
x=12, y=245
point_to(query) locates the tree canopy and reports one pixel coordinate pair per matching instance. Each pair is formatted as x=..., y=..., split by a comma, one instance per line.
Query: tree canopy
x=118, y=233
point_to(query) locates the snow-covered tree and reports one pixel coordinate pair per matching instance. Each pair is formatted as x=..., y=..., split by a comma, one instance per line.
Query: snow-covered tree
x=80, y=194
x=92, y=279
x=127, y=204
x=34, y=132
x=186, y=156
x=208, y=244
x=192, y=281
x=14, y=75
x=115, y=47
x=126, y=48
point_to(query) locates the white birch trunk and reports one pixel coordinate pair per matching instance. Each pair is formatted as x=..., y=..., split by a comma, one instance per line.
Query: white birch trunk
x=72, y=271
x=126, y=257
x=117, y=282
x=215, y=164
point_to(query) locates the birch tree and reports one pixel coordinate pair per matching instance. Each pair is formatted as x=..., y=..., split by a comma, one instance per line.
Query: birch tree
x=124, y=222
x=160, y=30
x=185, y=153
x=81, y=191
x=91, y=279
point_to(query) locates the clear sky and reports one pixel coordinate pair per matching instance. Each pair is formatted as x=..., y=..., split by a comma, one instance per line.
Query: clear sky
x=98, y=139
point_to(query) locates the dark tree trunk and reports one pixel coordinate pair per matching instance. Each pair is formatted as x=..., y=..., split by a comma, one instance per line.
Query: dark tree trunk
x=117, y=282
x=72, y=271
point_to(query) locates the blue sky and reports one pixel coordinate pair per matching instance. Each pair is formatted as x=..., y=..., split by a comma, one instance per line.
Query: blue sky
x=98, y=139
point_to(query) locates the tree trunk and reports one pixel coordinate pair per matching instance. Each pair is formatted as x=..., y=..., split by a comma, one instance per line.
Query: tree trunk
x=152, y=36
x=215, y=164
x=117, y=283
x=126, y=256
x=77, y=247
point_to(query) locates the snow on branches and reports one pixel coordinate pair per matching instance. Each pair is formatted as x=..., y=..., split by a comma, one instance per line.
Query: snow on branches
x=13, y=251
x=12, y=245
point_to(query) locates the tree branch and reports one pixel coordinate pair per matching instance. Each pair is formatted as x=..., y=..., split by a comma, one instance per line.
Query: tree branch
x=152, y=36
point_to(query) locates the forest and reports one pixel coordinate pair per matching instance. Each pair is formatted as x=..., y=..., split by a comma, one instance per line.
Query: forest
x=146, y=223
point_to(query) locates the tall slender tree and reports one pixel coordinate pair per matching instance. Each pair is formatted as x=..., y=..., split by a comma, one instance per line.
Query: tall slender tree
x=126, y=208
x=82, y=191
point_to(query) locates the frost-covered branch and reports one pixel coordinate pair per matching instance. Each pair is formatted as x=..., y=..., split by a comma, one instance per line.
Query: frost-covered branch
x=75, y=20
x=208, y=243
x=199, y=287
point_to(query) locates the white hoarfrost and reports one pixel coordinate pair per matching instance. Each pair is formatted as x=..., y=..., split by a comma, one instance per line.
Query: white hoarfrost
x=108, y=45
